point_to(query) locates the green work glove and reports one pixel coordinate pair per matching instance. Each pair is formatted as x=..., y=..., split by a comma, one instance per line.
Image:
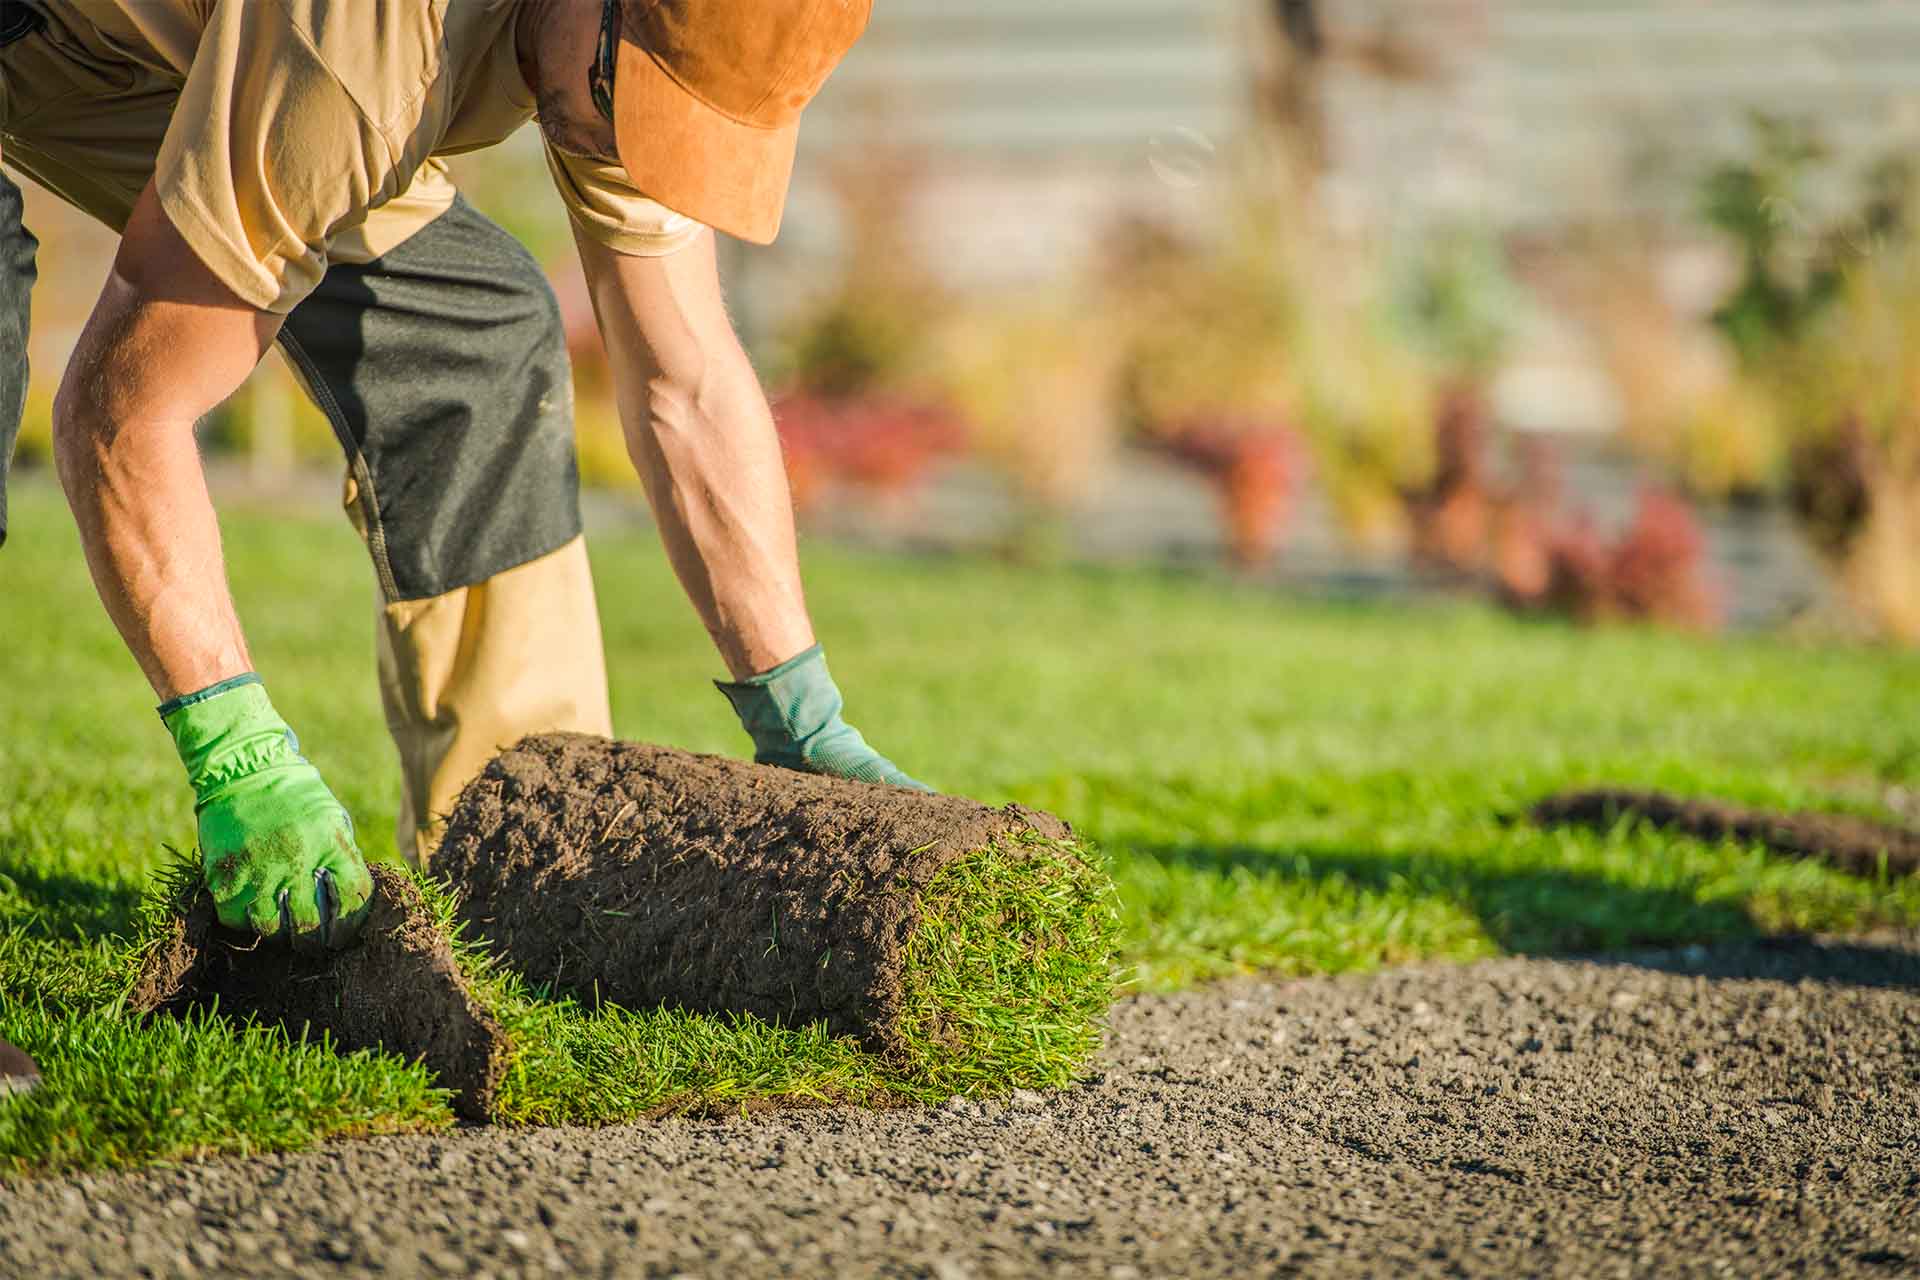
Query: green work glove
x=277, y=847
x=792, y=713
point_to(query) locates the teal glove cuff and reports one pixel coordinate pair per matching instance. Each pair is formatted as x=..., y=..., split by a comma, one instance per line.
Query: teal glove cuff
x=792, y=713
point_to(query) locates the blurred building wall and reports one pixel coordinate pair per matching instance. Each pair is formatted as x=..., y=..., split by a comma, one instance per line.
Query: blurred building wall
x=1598, y=101
x=1034, y=124
x=1023, y=129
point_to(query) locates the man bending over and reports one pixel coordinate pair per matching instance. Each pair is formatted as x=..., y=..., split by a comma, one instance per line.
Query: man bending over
x=274, y=170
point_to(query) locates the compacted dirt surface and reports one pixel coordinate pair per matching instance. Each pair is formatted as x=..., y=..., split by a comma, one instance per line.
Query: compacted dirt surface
x=1743, y=1110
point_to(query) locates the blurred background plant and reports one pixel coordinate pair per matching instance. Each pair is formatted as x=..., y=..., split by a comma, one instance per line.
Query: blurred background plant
x=1852, y=388
x=1031, y=376
x=1455, y=302
x=858, y=415
x=1210, y=370
x=1825, y=322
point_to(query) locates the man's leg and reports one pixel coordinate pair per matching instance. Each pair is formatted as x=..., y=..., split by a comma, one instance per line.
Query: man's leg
x=17, y=247
x=17, y=1071
x=443, y=368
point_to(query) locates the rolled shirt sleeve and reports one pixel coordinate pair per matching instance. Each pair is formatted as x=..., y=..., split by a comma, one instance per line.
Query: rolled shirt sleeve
x=608, y=209
x=270, y=156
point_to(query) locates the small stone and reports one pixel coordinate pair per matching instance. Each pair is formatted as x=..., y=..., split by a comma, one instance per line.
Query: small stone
x=518, y=1241
x=336, y=1248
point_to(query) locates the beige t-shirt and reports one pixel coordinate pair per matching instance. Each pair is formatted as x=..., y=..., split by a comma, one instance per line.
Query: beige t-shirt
x=284, y=134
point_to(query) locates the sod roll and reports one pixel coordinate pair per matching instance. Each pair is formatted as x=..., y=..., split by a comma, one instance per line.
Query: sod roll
x=971, y=947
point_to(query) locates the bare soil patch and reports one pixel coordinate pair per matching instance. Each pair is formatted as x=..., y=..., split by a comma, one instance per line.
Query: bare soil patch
x=1850, y=843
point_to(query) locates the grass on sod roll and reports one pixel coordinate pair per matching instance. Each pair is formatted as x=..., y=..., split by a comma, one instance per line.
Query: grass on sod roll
x=1010, y=972
x=1282, y=785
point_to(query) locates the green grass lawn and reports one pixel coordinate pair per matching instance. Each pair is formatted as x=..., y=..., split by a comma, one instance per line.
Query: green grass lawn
x=1282, y=786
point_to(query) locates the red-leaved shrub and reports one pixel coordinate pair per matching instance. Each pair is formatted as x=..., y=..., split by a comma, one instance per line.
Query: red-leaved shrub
x=1563, y=566
x=1654, y=571
x=1451, y=516
x=1254, y=470
x=882, y=444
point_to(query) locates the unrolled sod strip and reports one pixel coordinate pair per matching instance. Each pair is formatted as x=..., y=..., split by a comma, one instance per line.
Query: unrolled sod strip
x=971, y=947
x=400, y=988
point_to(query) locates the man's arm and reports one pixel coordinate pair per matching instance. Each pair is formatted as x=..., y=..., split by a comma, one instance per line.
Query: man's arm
x=703, y=441
x=166, y=343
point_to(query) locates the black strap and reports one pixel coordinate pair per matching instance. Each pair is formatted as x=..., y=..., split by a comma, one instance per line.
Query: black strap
x=18, y=20
x=606, y=59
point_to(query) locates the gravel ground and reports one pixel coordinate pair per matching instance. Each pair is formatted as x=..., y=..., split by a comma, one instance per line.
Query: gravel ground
x=1744, y=1110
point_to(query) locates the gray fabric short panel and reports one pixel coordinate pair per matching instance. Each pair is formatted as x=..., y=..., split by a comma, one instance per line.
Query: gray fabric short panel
x=443, y=368
x=17, y=248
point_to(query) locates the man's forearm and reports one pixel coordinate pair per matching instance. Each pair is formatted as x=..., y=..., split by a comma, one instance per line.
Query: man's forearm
x=158, y=352
x=703, y=442
x=140, y=501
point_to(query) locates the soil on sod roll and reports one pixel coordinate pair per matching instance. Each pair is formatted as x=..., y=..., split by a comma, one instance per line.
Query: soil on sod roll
x=1849, y=843
x=969, y=946
x=400, y=988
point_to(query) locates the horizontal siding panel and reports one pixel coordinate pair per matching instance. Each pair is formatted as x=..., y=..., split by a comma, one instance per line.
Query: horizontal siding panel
x=1025, y=79
x=1022, y=131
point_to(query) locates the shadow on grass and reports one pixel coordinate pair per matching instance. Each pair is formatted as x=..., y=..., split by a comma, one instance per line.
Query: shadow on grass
x=1526, y=911
x=1860, y=963
x=57, y=905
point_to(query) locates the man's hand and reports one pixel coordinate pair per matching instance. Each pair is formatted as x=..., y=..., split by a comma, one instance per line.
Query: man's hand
x=792, y=713
x=278, y=849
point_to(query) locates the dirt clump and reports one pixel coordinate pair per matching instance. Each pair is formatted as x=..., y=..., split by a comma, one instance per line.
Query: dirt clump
x=1849, y=843
x=650, y=877
x=399, y=988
